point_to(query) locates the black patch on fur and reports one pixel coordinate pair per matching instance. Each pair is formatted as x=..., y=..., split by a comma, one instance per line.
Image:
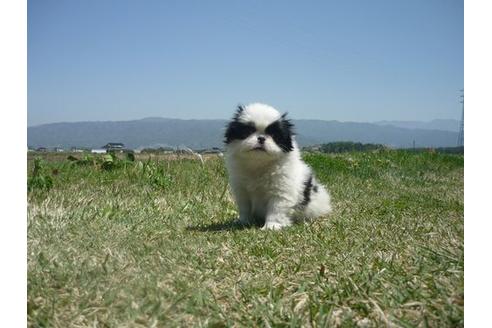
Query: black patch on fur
x=308, y=185
x=282, y=131
x=315, y=188
x=237, y=130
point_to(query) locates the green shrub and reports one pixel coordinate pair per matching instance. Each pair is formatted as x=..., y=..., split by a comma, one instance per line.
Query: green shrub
x=348, y=146
x=39, y=179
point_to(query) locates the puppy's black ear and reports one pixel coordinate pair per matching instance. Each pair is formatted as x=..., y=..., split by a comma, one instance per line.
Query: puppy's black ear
x=239, y=111
x=288, y=122
x=288, y=126
x=236, y=130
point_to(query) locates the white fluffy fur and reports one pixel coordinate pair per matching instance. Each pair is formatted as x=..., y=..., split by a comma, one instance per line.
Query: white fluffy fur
x=269, y=185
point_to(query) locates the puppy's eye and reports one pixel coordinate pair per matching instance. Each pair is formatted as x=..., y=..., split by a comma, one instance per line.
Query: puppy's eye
x=238, y=131
x=275, y=129
x=281, y=132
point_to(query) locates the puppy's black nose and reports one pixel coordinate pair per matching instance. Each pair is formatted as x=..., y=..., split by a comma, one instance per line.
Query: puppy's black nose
x=261, y=139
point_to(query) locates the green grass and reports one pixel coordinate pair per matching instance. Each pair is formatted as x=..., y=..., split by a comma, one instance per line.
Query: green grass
x=152, y=243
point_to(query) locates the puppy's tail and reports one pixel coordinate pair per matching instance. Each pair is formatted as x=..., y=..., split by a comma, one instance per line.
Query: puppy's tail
x=319, y=203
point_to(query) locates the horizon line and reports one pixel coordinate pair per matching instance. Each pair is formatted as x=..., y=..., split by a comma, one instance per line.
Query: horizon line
x=223, y=119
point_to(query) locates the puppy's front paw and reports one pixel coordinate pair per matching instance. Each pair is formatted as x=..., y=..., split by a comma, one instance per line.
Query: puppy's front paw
x=274, y=226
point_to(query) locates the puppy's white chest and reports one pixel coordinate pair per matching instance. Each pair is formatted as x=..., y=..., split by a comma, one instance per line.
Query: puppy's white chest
x=261, y=191
x=260, y=187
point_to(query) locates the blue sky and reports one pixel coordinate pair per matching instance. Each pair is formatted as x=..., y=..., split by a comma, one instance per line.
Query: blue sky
x=334, y=60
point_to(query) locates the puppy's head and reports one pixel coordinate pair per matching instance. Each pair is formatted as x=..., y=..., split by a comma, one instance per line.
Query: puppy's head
x=259, y=131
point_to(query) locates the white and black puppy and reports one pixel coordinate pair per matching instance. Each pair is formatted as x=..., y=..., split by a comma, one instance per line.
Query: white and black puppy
x=271, y=184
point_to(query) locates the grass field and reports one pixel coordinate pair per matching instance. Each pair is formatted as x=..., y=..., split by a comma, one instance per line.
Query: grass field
x=151, y=243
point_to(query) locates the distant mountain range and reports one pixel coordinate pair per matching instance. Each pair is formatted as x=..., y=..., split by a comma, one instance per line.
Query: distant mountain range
x=200, y=134
x=440, y=124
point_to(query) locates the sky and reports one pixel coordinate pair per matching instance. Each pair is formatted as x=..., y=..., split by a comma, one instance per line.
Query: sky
x=360, y=61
